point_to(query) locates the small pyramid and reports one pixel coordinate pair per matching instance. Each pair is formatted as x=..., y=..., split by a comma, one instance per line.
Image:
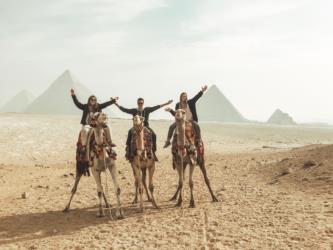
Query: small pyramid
x=214, y=106
x=57, y=100
x=19, y=102
x=281, y=118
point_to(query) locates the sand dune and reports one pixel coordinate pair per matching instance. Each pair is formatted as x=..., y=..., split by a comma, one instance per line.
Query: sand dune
x=269, y=197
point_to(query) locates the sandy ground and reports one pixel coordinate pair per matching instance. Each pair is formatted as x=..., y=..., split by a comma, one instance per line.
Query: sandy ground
x=271, y=197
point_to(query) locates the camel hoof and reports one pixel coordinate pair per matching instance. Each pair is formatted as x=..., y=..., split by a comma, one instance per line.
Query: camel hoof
x=100, y=215
x=179, y=204
x=135, y=201
x=215, y=199
x=155, y=206
x=108, y=206
x=173, y=198
x=192, y=204
x=121, y=215
x=66, y=210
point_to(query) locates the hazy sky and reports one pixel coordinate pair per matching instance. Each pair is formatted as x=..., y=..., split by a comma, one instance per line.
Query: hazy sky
x=262, y=54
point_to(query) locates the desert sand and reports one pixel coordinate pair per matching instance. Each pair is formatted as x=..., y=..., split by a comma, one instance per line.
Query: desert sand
x=275, y=186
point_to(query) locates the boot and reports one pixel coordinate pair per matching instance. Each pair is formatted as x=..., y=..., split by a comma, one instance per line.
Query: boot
x=127, y=155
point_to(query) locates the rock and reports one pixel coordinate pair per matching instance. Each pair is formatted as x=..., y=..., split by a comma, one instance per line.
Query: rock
x=285, y=172
x=309, y=164
x=25, y=195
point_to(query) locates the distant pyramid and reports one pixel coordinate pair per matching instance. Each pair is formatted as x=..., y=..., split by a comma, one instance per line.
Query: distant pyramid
x=281, y=118
x=214, y=106
x=57, y=100
x=19, y=102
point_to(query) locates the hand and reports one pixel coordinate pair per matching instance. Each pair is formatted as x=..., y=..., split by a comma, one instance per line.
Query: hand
x=204, y=88
x=72, y=92
x=115, y=99
x=168, y=109
x=169, y=102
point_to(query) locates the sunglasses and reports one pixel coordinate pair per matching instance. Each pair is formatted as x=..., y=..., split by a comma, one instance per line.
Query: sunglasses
x=94, y=100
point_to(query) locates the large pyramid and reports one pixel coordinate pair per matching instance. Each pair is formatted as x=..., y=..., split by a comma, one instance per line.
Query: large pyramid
x=19, y=102
x=57, y=100
x=281, y=118
x=214, y=106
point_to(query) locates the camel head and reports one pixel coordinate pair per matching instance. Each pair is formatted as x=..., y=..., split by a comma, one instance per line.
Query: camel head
x=180, y=115
x=138, y=121
x=100, y=119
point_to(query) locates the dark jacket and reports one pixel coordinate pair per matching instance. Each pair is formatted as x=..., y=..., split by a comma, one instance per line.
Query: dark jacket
x=191, y=104
x=85, y=108
x=144, y=113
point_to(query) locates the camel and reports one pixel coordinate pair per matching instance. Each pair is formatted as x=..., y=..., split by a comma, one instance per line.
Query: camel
x=187, y=154
x=101, y=156
x=142, y=160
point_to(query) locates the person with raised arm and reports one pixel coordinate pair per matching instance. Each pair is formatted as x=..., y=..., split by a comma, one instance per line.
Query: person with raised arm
x=143, y=111
x=189, y=105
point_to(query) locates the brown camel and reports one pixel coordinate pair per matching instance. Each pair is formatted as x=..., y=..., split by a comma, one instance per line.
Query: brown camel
x=187, y=154
x=142, y=160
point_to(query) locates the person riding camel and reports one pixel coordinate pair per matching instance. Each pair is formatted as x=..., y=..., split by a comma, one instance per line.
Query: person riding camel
x=191, y=115
x=144, y=112
x=89, y=109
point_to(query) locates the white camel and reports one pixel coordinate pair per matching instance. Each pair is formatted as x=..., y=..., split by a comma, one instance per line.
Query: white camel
x=99, y=154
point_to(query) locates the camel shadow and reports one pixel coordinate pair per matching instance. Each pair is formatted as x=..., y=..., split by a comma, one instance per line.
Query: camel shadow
x=32, y=226
x=16, y=228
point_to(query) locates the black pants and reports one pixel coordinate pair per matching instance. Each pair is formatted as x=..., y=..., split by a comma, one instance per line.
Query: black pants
x=129, y=138
x=196, y=128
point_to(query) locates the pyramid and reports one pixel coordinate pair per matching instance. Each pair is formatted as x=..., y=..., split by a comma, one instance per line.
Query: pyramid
x=19, y=102
x=57, y=100
x=214, y=106
x=281, y=118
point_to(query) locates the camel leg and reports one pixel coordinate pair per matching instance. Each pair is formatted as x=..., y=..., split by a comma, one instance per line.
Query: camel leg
x=180, y=184
x=204, y=172
x=107, y=204
x=136, y=186
x=144, y=175
x=139, y=177
x=192, y=204
x=151, y=184
x=113, y=171
x=77, y=180
x=174, y=197
x=97, y=177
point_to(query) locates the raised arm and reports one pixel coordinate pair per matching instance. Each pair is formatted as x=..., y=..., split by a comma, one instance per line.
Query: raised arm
x=106, y=104
x=76, y=101
x=172, y=112
x=152, y=109
x=197, y=96
x=125, y=110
